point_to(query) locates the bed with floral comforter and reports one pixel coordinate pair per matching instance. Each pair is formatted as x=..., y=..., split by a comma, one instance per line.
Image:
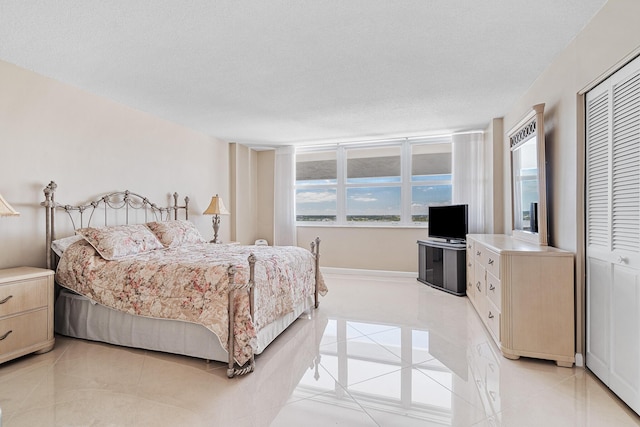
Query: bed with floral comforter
x=189, y=282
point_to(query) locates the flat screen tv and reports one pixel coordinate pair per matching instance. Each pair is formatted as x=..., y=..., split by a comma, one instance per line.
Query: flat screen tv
x=448, y=222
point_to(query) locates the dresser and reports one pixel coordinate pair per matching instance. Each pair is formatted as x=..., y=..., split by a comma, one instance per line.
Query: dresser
x=524, y=295
x=26, y=312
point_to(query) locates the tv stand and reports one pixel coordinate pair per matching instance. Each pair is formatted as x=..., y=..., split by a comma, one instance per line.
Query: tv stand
x=441, y=265
x=450, y=242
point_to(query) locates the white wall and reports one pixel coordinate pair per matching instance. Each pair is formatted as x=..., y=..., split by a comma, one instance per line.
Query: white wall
x=606, y=41
x=243, y=166
x=266, y=179
x=89, y=146
x=611, y=38
x=367, y=248
x=493, y=212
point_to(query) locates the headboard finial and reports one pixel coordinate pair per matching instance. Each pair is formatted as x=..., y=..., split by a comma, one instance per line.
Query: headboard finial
x=50, y=189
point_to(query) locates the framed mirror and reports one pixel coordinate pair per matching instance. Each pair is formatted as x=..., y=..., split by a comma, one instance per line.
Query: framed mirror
x=528, y=180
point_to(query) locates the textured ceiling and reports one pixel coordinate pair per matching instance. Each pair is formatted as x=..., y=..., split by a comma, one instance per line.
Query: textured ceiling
x=282, y=72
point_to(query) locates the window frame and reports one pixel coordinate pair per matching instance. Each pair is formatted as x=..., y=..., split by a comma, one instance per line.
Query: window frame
x=406, y=183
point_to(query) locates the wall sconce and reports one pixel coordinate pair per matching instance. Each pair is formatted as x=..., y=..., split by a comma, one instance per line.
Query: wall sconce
x=216, y=208
x=6, y=209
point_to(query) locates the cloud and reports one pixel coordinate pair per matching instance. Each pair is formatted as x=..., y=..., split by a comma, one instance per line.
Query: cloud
x=315, y=196
x=364, y=199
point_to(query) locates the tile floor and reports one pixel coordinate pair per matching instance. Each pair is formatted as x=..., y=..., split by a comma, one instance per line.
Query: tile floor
x=378, y=352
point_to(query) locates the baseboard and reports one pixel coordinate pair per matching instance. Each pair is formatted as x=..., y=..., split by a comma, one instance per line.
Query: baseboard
x=362, y=272
x=579, y=360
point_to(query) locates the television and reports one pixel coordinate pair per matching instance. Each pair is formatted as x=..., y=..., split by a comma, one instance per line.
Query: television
x=448, y=222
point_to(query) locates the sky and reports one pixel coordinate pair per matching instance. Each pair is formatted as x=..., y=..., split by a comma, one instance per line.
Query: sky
x=374, y=200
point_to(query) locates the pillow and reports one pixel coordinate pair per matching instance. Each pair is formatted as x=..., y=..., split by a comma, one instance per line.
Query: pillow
x=175, y=233
x=120, y=240
x=61, y=245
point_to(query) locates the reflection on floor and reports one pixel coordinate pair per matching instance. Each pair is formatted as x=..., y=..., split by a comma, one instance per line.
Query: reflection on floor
x=378, y=352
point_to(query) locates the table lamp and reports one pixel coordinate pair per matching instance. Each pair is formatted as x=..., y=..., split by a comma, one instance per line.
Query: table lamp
x=6, y=209
x=216, y=208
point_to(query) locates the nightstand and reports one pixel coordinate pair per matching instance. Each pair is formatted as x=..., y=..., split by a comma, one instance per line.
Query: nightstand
x=26, y=312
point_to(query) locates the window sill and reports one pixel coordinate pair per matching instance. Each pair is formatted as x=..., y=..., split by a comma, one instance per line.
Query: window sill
x=361, y=225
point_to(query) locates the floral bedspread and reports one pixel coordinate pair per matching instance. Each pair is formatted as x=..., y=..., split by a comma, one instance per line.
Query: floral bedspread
x=190, y=283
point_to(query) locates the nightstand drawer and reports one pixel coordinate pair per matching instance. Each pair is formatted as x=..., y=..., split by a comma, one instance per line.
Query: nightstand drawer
x=23, y=295
x=22, y=331
x=26, y=312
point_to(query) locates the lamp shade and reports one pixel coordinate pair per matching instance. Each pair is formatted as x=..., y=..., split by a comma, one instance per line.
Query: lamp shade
x=216, y=207
x=6, y=209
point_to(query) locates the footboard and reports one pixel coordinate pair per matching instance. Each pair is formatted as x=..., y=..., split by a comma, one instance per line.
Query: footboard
x=234, y=287
x=315, y=250
x=233, y=369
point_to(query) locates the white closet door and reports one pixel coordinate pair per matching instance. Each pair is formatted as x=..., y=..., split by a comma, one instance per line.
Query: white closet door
x=613, y=232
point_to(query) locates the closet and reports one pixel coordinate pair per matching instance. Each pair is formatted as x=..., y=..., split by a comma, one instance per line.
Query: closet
x=613, y=232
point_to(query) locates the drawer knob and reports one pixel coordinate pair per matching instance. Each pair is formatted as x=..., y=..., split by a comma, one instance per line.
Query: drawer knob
x=491, y=287
x=5, y=335
x=490, y=261
x=6, y=299
x=490, y=315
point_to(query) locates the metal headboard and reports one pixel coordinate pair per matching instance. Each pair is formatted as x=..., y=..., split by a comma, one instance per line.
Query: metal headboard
x=127, y=200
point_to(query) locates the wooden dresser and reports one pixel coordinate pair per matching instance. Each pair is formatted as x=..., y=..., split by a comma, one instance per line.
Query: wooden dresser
x=26, y=312
x=524, y=294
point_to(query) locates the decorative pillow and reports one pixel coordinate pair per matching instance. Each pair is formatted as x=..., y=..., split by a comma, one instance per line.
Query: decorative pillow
x=61, y=245
x=176, y=233
x=120, y=240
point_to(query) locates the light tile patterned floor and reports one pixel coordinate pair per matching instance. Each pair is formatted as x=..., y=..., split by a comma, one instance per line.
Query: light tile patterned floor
x=378, y=352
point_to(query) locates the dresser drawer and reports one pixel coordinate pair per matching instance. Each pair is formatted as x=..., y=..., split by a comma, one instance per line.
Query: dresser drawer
x=23, y=331
x=492, y=319
x=494, y=290
x=478, y=252
x=491, y=261
x=479, y=280
x=470, y=271
x=23, y=295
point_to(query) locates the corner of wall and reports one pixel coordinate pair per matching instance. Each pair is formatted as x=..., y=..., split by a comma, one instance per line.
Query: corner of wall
x=245, y=193
x=265, y=196
x=494, y=175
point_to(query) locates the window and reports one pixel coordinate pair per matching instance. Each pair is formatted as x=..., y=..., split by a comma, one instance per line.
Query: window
x=389, y=182
x=373, y=184
x=316, y=186
x=430, y=178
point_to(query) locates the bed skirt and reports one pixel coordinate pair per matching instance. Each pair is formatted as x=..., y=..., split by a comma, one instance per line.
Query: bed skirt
x=76, y=316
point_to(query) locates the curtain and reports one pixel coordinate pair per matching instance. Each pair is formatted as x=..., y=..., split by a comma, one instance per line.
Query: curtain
x=468, y=180
x=284, y=227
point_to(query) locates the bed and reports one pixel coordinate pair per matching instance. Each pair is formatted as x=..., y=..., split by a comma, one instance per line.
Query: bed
x=134, y=274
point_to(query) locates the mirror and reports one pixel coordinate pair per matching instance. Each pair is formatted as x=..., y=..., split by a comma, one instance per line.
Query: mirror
x=528, y=181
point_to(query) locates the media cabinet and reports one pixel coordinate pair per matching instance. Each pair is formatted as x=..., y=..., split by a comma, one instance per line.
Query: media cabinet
x=442, y=265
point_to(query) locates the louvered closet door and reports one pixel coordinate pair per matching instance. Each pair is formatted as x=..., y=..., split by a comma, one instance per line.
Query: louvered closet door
x=613, y=232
